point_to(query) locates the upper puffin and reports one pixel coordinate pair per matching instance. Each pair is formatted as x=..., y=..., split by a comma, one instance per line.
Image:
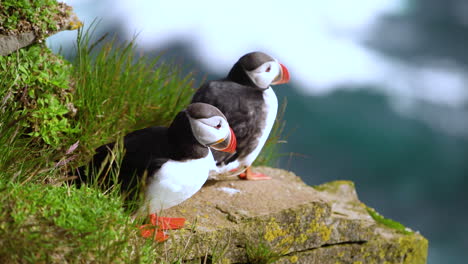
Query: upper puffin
x=250, y=106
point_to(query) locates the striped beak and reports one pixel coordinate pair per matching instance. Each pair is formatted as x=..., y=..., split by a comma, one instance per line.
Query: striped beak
x=283, y=76
x=228, y=144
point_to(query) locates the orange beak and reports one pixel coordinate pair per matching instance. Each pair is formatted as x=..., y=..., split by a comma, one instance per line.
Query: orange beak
x=283, y=77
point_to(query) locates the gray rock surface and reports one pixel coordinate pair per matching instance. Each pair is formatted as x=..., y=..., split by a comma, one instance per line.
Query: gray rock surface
x=9, y=44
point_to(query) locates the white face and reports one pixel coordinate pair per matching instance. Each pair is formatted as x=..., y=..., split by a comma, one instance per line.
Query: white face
x=209, y=131
x=264, y=75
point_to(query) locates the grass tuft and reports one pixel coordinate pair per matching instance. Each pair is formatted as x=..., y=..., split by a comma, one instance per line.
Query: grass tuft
x=261, y=253
x=118, y=91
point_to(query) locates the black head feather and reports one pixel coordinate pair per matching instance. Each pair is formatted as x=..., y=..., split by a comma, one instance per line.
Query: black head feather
x=248, y=62
x=202, y=110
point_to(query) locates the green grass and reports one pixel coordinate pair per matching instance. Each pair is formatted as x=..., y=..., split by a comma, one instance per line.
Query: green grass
x=118, y=91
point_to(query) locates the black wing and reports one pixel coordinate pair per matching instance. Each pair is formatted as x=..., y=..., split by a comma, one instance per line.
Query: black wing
x=145, y=152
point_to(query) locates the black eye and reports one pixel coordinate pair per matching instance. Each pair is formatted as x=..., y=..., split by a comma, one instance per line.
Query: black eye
x=218, y=126
x=268, y=69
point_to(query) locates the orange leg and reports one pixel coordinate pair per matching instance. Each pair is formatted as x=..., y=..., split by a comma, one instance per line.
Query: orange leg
x=158, y=225
x=253, y=176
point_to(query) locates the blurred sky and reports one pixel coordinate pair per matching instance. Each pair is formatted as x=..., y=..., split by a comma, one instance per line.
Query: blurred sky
x=322, y=42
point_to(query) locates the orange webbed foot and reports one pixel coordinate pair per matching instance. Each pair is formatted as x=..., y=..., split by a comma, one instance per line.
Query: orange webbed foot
x=253, y=176
x=148, y=231
x=157, y=226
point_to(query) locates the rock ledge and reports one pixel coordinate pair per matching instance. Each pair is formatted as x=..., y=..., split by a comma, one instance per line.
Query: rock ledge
x=286, y=220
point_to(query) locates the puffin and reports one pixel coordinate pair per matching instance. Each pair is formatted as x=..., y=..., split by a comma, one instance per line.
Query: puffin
x=250, y=105
x=170, y=164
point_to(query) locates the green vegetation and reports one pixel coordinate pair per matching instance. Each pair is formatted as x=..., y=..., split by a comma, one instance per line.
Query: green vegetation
x=38, y=93
x=333, y=186
x=42, y=223
x=261, y=253
x=39, y=16
x=388, y=222
x=35, y=101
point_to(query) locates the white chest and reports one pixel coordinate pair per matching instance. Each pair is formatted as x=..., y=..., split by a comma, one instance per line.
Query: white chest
x=177, y=181
x=271, y=110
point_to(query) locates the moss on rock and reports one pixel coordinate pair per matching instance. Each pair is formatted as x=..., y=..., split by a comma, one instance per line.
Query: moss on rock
x=24, y=22
x=388, y=222
x=38, y=16
x=36, y=88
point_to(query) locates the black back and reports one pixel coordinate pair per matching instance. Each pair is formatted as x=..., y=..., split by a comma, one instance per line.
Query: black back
x=146, y=150
x=243, y=107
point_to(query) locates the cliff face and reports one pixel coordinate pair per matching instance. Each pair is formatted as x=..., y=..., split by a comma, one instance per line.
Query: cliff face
x=287, y=221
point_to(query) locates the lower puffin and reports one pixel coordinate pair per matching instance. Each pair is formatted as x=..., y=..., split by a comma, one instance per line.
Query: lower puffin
x=171, y=163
